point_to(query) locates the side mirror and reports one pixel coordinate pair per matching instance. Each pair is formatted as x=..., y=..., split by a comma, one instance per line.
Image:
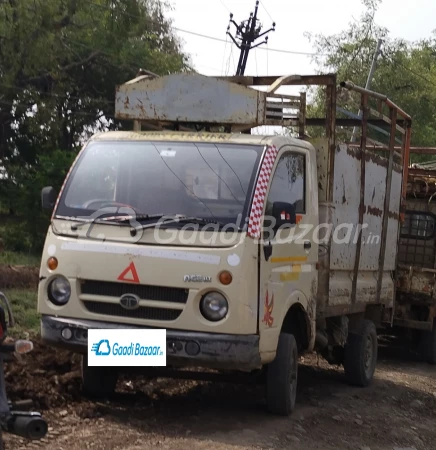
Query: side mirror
x=284, y=214
x=48, y=197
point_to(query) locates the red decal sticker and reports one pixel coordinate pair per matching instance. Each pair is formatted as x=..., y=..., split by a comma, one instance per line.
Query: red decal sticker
x=268, y=319
x=131, y=270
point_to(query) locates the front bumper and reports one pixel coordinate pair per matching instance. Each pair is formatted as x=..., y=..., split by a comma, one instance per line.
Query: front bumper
x=210, y=350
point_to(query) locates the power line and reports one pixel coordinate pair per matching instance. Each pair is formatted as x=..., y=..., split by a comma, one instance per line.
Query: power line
x=224, y=58
x=264, y=7
x=225, y=6
x=415, y=73
x=212, y=38
x=277, y=50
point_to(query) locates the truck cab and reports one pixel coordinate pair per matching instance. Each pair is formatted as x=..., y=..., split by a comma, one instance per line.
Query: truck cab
x=214, y=235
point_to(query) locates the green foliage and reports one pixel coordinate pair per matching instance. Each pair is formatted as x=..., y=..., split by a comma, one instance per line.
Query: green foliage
x=60, y=61
x=27, y=235
x=19, y=259
x=17, y=238
x=405, y=72
x=23, y=303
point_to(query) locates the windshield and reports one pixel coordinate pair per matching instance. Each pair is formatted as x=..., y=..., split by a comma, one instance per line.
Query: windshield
x=212, y=181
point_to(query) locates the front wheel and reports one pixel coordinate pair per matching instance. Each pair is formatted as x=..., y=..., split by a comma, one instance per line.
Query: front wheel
x=360, y=355
x=282, y=377
x=98, y=382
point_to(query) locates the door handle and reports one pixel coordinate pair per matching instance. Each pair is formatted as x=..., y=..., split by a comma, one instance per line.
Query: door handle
x=307, y=245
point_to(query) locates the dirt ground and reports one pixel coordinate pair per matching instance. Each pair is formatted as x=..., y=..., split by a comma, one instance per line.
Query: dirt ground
x=397, y=412
x=18, y=277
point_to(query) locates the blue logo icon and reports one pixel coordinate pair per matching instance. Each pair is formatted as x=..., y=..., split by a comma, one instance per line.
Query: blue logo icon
x=101, y=348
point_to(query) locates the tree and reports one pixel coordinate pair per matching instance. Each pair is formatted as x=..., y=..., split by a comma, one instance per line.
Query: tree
x=405, y=71
x=60, y=61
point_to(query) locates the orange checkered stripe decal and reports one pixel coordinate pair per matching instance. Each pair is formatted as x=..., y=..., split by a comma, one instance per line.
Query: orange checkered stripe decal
x=260, y=192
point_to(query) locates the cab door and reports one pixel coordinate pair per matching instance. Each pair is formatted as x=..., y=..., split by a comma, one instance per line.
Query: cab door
x=288, y=259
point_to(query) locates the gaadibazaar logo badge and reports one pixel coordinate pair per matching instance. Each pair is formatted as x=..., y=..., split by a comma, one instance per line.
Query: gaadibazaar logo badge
x=103, y=348
x=129, y=347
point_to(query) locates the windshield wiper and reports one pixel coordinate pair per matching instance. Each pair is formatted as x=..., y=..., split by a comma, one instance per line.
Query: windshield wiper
x=121, y=219
x=82, y=223
x=117, y=218
x=178, y=218
x=174, y=218
x=202, y=220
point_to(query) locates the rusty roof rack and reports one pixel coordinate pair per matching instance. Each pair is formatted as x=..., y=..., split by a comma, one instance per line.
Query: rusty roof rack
x=184, y=98
x=421, y=180
x=185, y=101
x=181, y=99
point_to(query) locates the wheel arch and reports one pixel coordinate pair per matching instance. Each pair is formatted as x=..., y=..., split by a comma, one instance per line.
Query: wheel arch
x=297, y=322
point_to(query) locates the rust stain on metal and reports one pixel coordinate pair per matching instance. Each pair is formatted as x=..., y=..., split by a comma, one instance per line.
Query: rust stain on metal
x=380, y=161
x=372, y=211
x=344, y=199
x=393, y=215
x=356, y=153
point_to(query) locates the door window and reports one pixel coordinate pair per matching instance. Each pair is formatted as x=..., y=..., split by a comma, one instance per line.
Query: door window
x=289, y=183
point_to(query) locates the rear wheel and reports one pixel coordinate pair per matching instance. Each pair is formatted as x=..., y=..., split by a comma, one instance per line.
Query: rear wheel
x=360, y=355
x=282, y=377
x=98, y=382
x=428, y=345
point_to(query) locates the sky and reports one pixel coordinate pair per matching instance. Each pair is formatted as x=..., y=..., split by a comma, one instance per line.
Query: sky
x=410, y=21
x=215, y=56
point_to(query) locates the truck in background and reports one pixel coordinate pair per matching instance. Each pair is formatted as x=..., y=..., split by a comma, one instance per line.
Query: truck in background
x=416, y=277
x=310, y=265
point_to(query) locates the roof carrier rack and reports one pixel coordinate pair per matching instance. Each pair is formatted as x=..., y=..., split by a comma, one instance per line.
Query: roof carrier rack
x=234, y=103
x=209, y=101
x=190, y=101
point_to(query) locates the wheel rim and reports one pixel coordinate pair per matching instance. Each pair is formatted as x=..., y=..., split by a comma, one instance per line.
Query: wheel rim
x=369, y=355
x=293, y=378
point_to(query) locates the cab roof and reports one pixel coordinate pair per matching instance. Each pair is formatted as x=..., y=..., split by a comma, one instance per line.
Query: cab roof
x=180, y=136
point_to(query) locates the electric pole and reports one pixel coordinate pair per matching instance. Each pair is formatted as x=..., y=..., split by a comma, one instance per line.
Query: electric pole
x=369, y=79
x=246, y=35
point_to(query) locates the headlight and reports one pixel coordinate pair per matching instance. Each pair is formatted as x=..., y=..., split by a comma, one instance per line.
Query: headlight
x=214, y=306
x=59, y=291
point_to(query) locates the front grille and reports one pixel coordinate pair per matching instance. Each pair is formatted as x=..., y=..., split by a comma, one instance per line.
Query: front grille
x=143, y=312
x=144, y=292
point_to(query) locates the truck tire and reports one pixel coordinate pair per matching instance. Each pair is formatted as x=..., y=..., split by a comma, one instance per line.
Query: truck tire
x=98, y=382
x=360, y=355
x=428, y=345
x=282, y=377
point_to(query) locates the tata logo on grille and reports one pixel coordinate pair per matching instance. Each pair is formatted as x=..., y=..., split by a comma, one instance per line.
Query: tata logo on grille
x=129, y=301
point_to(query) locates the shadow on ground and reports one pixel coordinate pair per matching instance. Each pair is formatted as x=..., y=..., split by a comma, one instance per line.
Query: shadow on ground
x=329, y=414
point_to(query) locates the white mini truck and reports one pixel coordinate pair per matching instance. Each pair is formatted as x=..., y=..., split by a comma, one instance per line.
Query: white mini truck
x=249, y=250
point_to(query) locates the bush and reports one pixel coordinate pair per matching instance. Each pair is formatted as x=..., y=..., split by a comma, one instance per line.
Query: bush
x=16, y=238
x=24, y=187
